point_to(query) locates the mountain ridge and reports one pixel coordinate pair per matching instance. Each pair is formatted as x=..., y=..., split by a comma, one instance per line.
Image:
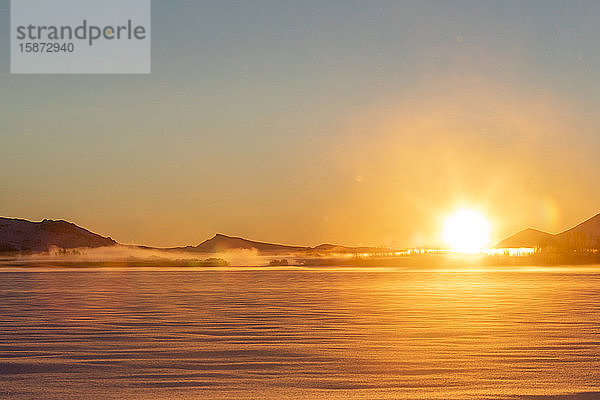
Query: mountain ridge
x=221, y=242
x=18, y=235
x=21, y=235
x=528, y=237
x=585, y=235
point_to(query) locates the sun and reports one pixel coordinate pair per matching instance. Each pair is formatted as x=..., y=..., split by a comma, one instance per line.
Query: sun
x=466, y=231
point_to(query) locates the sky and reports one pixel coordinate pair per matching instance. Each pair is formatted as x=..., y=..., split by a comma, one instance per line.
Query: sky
x=303, y=122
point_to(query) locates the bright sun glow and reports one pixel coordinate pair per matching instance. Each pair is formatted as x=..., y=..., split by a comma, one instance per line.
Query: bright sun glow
x=466, y=231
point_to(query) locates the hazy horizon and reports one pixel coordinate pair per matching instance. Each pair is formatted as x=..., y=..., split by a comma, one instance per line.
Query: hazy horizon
x=305, y=123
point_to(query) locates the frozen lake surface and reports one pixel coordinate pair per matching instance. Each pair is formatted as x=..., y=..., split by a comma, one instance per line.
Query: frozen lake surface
x=312, y=333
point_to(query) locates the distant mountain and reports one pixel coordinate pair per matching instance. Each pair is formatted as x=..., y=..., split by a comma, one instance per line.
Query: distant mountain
x=526, y=238
x=23, y=235
x=221, y=243
x=18, y=235
x=583, y=236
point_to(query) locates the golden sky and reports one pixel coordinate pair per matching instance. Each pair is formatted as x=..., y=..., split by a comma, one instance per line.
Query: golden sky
x=307, y=123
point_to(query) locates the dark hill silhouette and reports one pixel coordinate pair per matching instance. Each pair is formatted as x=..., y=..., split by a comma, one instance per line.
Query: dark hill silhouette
x=221, y=243
x=527, y=238
x=18, y=235
x=584, y=236
x=22, y=235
